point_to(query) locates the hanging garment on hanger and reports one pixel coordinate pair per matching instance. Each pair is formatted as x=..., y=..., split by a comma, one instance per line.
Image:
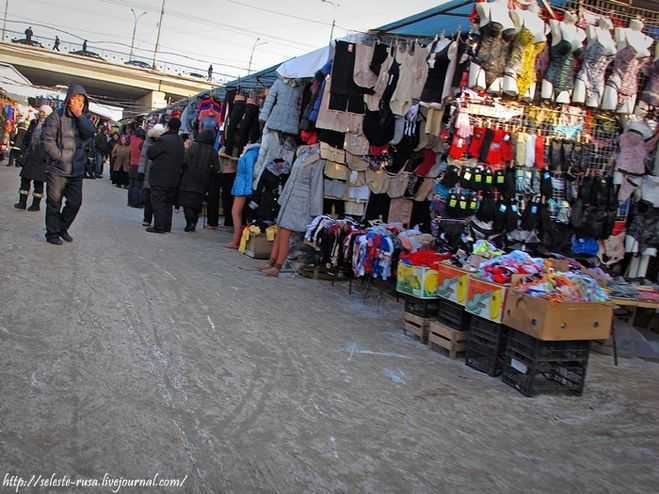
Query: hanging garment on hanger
x=363, y=76
x=413, y=75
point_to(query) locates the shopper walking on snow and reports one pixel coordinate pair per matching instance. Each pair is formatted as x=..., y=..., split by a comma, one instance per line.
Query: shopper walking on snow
x=135, y=194
x=34, y=162
x=144, y=171
x=167, y=154
x=121, y=162
x=65, y=135
x=201, y=160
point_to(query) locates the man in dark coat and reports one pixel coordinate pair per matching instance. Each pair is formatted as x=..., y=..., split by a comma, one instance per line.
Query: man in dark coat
x=201, y=160
x=34, y=162
x=65, y=135
x=167, y=155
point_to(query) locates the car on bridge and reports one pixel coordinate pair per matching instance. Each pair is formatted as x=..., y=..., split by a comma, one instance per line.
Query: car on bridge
x=140, y=64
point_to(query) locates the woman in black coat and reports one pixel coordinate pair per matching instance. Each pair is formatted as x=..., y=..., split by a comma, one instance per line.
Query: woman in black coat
x=35, y=160
x=201, y=159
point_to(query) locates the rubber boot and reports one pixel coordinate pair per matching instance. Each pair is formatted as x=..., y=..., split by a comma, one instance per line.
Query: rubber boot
x=36, y=202
x=22, y=201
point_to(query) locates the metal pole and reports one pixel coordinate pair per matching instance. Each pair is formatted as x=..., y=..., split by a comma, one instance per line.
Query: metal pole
x=132, y=42
x=332, y=30
x=4, y=20
x=251, y=57
x=155, y=53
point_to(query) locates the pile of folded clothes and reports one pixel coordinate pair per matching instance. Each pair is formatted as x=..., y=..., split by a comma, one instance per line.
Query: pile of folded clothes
x=564, y=287
x=502, y=268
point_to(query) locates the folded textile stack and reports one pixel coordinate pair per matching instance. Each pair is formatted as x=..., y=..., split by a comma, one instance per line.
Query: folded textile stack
x=413, y=240
x=501, y=268
x=424, y=258
x=565, y=287
x=486, y=250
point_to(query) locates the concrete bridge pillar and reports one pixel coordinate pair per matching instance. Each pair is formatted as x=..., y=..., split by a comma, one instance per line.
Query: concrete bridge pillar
x=153, y=101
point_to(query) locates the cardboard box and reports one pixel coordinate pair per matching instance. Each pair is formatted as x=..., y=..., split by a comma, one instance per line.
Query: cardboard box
x=418, y=281
x=452, y=283
x=557, y=321
x=258, y=247
x=485, y=299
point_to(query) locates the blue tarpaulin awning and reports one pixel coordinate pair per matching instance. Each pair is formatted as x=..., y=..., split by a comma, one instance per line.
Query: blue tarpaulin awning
x=449, y=17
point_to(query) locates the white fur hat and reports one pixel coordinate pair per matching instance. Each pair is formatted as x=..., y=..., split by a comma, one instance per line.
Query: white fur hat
x=156, y=131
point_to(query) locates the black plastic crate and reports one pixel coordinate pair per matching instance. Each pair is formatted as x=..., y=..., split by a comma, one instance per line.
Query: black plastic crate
x=453, y=315
x=421, y=307
x=548, y=351
x=536, y=367
x=485, y=346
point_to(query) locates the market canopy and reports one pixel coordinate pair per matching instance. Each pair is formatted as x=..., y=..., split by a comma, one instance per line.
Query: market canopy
x=258, y=80
x=447, y=18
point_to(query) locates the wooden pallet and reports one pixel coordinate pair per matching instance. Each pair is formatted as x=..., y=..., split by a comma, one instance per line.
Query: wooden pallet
x=416, y=325
x=447, y=338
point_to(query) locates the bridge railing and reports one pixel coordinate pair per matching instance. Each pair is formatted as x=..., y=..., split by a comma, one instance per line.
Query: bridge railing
x=119, y=56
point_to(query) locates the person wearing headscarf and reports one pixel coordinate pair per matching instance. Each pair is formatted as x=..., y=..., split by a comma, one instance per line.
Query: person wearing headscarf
x=34, y=163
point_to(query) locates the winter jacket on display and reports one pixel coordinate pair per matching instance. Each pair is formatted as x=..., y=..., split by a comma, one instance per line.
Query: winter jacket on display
x=35, y=158
x=167, y=155
x=282, y=108
x=265, y=201
x=231, y=127
x=302, y=197
x=242, y=185
x=65, y=136
x=249, y=130
x=201, y=160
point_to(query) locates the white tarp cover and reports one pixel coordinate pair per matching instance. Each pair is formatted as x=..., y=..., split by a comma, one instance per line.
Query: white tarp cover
x=305, y=66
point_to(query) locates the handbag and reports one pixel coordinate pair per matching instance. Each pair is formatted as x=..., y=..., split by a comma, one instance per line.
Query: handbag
x=330, y=153
x=356, y=163
x=377, y=180
x=336, y=171
x=356, y=144
x=398, y=184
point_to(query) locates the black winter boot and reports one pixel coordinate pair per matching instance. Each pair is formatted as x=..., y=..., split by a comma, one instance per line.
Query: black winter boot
x=36, y=201
x=22, y=201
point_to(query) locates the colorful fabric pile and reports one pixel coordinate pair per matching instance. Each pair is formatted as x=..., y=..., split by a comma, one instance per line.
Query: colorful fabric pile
x=565, y=287
x=424, y=258
x=501, y=268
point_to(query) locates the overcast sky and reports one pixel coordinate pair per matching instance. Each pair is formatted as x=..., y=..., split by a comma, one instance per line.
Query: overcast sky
x=217, y=31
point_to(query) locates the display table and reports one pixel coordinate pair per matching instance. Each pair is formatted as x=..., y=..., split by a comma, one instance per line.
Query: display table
x=634, y=304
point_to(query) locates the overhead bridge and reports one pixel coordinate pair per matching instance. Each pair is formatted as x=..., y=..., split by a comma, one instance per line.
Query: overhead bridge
x=135, y=88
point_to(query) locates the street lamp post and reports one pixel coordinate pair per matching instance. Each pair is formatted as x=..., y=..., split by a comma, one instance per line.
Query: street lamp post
x=251, y=57
x=155, y=52
x=132, y=42
x=4, y=20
